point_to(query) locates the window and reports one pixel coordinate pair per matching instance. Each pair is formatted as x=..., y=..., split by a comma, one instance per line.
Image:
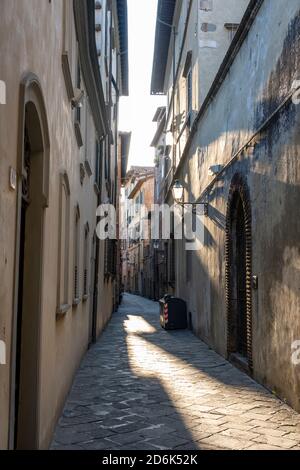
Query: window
x=68, y=27
x=98, y=163
x=188, y=74
x=136, y=205
x=63, y=245
x=142, y=197
x=78, y=85
x=110, y=257
x=90, y=137
x=232, y=29
x=107, y=159
x=189, y=88
x=86, y=262
x=99, y=27
x=76, y=295
x=68, y=47
x=78, y=114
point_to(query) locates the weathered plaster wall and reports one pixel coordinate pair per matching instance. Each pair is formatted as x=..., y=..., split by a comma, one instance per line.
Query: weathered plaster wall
x=212, y=45
x=31, y=40
x=258, y=81
x=208, y=50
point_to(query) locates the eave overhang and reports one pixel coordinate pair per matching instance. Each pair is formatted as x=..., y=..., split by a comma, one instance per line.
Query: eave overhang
x=164, y=21
x=84, y=13
x=125, y=146
x=123, y=37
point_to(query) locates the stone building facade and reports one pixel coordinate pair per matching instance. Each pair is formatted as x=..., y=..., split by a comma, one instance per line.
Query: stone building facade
x=64, y=64
x=239, y=153
x=159, y=247
x=137, y=256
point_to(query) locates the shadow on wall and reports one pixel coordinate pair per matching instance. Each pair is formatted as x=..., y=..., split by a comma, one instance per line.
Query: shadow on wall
x=153, y=355
x=278, y=86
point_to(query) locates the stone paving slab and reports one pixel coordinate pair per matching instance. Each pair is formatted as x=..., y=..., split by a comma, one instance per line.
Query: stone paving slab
x=143, y=388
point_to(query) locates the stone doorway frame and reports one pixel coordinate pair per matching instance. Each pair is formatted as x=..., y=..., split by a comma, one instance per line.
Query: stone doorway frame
x=239, y=188
x=30, y=96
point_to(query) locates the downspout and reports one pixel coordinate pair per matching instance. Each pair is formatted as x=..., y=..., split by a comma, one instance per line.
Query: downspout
x=173, y=102
x=95, y=288
x=96, y=276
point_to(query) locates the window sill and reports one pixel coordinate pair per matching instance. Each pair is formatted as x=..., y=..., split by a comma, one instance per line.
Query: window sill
x=67, y=75
x=62, y=309
x=82, y=173
x=88, y=168
x=76, y=302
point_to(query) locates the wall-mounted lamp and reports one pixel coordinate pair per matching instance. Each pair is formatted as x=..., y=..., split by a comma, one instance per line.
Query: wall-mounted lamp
x=177, y=192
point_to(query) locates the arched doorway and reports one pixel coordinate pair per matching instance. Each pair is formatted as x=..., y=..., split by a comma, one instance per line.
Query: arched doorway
x=239, y=274
x=32, y=201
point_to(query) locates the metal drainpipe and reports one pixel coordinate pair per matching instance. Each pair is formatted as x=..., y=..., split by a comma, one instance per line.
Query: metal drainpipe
x=95, y=296
x=173, y=101
x=175, y=72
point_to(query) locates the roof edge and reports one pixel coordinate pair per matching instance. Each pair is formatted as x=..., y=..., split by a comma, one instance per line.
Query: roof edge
x=163, y=30
x=122, y=12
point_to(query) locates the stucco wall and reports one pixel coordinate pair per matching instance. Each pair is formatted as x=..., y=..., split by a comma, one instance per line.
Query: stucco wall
x=258, y=81
x=208, y=47
x=31, y=40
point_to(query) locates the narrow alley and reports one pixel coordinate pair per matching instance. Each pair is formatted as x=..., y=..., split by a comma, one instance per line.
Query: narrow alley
x=141, y=387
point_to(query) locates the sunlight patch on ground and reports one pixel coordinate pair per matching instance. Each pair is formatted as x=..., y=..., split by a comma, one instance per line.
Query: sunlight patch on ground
x=137, y=324
x=151, y=361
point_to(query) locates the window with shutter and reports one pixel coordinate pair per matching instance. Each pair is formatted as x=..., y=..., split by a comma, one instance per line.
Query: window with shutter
x=86, y=262
x=63, y=245
x=110, y=257
x=68, y=54
x=76, y=294
x=98, y=163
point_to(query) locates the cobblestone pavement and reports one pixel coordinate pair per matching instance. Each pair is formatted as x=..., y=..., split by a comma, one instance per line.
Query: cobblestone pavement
x=141, y=387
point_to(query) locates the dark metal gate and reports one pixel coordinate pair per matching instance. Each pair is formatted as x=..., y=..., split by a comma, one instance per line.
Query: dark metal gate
x=238, y=254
